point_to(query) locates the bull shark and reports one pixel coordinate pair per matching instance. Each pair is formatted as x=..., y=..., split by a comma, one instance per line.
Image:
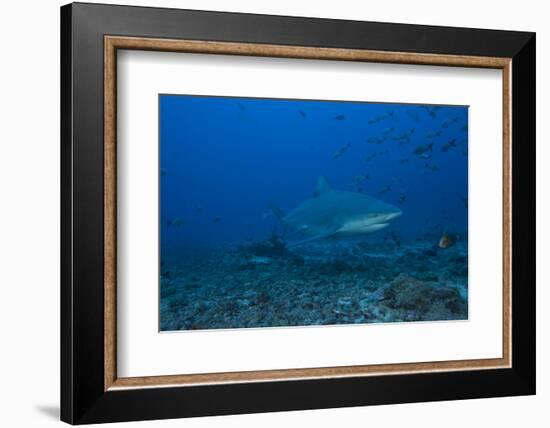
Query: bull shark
x=337, y=214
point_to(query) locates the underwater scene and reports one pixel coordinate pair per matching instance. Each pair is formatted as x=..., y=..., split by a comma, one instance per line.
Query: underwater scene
x=281, y=212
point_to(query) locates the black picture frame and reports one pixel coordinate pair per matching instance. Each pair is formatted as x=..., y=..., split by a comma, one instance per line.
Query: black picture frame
x=83, y=398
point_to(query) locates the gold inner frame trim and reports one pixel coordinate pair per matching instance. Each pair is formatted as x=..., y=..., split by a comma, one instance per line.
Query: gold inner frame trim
x=113, y=43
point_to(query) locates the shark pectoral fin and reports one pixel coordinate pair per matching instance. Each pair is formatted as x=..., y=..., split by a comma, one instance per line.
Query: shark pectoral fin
x=317, y=237
x=305, y=241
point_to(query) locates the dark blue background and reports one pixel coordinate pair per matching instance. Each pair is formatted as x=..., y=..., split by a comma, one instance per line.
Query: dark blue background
x=228, y=158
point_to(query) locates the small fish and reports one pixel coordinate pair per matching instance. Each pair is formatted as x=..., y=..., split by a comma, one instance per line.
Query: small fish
x=388, y=130
x=447, y=240
x=341, y=151
x=216, y=220
x=163, y=172
x=359, y=178
x=385, y=189
x=381, y=118
x=455, y=119
x=375, y=140
x=464, y=128
x=199, y=209
x=370, y=157
x=340, y=117
x=383, y=152
x=260, y=260
x=404, y=161
x=432, y=110
x=302, y=113
x=432, y=167
x=413, y=115
x=405, y=137
x=241, y=107
x=423, y=149
x=433, y=134
x=402, y=199
x=464, y=152
x=176, y=222
x=464, y=201
x=447, y=146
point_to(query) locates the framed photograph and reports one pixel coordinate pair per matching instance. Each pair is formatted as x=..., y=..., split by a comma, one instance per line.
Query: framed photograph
x=266, y=213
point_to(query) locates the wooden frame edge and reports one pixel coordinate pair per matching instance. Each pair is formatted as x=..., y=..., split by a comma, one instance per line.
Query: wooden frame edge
x=109, y=200
x=301, y=52
x=112, y=43
x=507, y=213
x=301, y=374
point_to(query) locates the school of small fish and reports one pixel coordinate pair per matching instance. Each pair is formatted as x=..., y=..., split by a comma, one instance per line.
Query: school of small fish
x=423, y=151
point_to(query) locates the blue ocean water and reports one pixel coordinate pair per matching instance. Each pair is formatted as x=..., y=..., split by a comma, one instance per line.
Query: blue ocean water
x=225, y=161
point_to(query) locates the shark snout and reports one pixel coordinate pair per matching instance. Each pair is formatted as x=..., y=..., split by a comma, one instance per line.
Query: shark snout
x=393, y=215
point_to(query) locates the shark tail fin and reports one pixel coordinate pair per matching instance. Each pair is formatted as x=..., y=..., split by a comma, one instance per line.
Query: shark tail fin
x=277, y=211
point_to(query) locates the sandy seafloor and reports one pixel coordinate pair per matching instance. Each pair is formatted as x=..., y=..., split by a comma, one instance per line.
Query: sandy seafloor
x=256, y=285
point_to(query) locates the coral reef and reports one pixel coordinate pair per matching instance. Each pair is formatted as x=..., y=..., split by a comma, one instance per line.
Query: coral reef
x=266, y=285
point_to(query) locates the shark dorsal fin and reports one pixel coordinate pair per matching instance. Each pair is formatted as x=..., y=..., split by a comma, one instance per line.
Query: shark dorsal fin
x=322, y=186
